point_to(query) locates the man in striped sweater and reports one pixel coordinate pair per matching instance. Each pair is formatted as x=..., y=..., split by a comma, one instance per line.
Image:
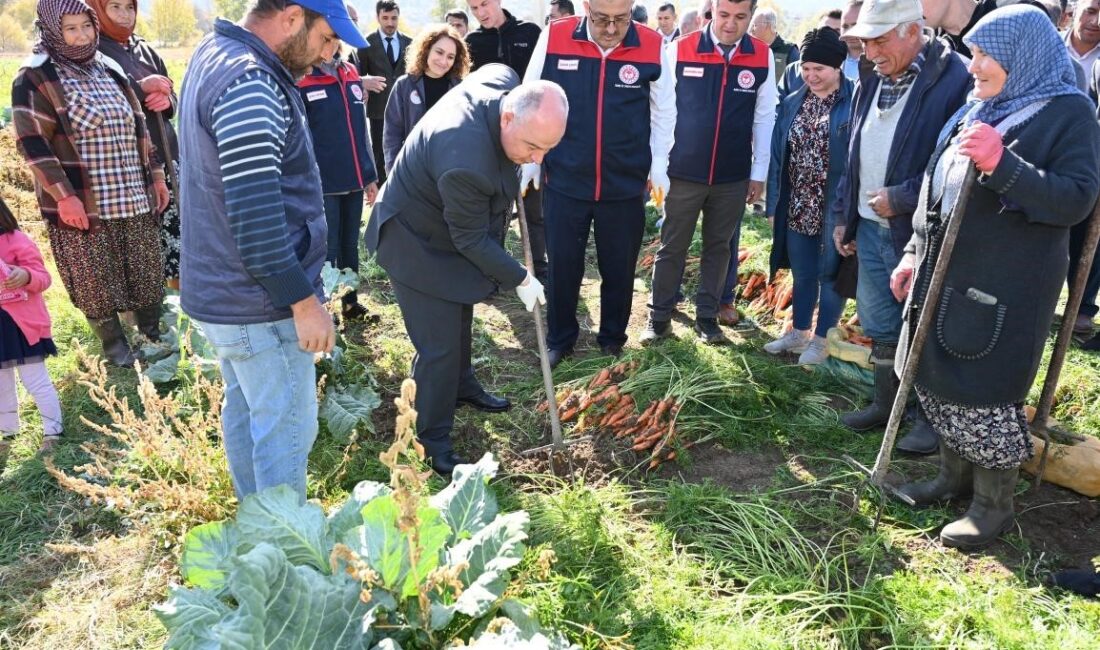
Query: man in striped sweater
x=254, y=231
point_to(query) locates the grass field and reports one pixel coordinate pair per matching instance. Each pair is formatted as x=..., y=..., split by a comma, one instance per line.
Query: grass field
x=747, y=540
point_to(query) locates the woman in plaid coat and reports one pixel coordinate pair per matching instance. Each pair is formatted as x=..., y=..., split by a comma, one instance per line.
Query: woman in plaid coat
x=98, y=181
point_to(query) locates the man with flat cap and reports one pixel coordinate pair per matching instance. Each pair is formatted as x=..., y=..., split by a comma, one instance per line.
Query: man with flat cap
x=453, y=183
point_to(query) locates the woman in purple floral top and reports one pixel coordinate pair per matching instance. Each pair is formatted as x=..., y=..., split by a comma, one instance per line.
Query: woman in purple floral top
x=809, y=146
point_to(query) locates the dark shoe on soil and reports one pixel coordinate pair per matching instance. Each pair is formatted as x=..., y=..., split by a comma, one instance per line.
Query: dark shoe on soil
x=444, y=463
x=956, y=479
x=922, y=439
x=486, y=402
x=115, y=346
x=1082, y=324
x=1084, y=582
x=990, y=514
x=1092, y=345
x=708, y=331
x=886, y=386
x=727, y=314
x=556, y=356
x=655, y=330
x=611, y=350
x=148, y=322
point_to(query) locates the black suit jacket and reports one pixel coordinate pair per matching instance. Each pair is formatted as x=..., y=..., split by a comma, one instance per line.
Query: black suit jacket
x=450, y=188
x=373, y=60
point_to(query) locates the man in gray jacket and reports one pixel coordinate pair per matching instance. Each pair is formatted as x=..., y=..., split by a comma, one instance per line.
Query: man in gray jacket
x=432, y=224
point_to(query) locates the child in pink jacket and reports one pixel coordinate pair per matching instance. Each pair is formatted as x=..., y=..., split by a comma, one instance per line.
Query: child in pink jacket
x=24, y=333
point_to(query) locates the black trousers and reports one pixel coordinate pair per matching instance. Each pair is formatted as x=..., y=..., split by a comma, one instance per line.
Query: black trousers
x=618, y=227
x=376, y=128
x=441, y=332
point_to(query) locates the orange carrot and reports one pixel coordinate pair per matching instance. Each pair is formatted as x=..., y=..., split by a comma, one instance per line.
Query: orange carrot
x=601, y=379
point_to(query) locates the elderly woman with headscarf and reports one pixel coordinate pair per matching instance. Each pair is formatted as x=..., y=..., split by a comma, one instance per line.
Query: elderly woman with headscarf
x=1032, y=136
x=81, y=130
x=809, y=155
x=154, y=89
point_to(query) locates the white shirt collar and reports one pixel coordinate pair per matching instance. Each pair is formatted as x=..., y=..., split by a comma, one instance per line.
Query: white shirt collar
x=1073, y=52
x=717, y=48
x=383, y=35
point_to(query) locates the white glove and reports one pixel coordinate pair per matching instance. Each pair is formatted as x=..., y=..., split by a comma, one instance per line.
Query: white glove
x=658, y=179
x=529, y=174
x=530, y=292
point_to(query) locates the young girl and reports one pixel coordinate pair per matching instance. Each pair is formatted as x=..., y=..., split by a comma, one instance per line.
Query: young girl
x=24, y=333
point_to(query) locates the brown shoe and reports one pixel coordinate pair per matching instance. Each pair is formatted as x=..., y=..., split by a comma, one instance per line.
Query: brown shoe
x=727, y=314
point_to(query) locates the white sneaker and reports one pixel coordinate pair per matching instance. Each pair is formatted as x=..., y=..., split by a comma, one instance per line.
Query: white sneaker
x=816, y=353
x=794, y=341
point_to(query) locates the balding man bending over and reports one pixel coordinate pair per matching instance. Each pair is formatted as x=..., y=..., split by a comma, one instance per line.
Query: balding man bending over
x=454, y=181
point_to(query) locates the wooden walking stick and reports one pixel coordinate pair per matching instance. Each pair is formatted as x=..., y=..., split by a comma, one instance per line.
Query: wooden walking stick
x=1041, y=424
x=877, y=474
x=558, y=443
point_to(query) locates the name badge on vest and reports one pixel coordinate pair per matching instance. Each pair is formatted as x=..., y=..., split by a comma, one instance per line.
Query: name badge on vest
x=692, y=72
x=314, y=95
x=414, y=97
x=568, y=64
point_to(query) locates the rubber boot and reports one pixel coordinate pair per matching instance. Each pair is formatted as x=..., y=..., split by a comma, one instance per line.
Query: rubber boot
x=956, y=479
x=115, y=347
x=922, y=439
x=990, y=512
x=148, y=321
x=877, y=412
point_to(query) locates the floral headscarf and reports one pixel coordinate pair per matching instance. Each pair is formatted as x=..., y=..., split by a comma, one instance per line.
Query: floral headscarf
x=51, y=41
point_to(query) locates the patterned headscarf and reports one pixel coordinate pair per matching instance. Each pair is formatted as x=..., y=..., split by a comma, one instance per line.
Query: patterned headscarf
x=52, y=42
x=1023, y=41
x=110, y=28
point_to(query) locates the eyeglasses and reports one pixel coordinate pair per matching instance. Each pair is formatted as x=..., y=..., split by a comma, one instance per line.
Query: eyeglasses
x=601, y=21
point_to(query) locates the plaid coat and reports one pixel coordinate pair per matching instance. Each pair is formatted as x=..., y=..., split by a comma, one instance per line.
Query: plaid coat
x=45, y=138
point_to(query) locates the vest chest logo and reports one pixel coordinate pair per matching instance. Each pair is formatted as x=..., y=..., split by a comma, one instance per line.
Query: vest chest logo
x=568, y=64
x=315, y=95
x=693, y=72
x=746, y=79
x=629, y=75
x=357, y=90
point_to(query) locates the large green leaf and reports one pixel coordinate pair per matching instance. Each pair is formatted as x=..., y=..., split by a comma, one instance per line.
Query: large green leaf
x=208, y=552
x=277, y=517
x=467, y=504
x=346, y=408
x=512, y=637
x=350, y=514
x=333, y=279
x=287, y=607
x=386, y=549
x=189, y=615
x=490, y=553
x=164, y=370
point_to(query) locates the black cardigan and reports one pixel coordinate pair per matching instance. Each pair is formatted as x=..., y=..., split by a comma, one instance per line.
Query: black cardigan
x=1010, y=258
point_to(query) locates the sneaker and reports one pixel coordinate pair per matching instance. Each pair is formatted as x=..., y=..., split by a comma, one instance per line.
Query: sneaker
x=1082, y=324
x=816, y=353
x=794, y=341
x=708, y=331
x=655, y=330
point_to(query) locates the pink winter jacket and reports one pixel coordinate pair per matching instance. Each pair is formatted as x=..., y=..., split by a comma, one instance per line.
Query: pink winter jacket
x=16, y=249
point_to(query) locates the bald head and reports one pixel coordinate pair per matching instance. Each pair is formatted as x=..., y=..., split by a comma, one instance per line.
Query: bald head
x=532, y=120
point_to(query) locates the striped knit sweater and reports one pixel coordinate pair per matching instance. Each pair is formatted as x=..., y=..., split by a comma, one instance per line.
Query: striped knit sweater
x=250, y=125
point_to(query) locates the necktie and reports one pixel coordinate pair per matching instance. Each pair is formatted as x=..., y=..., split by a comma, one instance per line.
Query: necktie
x=389, y=50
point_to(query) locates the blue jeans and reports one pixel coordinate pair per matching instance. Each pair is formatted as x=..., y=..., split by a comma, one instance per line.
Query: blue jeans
x=879, y=311
x=269, y=413
x=806, y=254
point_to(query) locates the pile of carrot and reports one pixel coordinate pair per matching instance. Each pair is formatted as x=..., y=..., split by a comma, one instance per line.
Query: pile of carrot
x=603, y=405
x=852, y=335
x=774, y=297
